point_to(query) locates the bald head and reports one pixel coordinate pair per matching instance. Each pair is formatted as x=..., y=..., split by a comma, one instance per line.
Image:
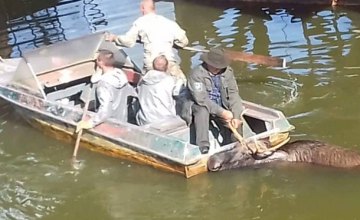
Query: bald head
x=160, y=63
x=147, y=6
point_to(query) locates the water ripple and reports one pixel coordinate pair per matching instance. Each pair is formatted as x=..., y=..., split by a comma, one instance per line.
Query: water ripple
x=289, y=86
x=21, y=202
x=36, y=181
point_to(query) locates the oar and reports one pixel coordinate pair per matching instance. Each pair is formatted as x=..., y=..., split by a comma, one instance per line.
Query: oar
x=75, y=162
x=247, y=57
x=241, y=139
x=254, y=149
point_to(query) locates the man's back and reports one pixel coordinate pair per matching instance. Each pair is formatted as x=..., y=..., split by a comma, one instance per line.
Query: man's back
x=109, y=87
x=158, y=34
x=156, y=100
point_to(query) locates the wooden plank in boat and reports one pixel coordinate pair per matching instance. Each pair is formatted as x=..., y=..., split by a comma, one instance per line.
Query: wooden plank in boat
x=62, y=76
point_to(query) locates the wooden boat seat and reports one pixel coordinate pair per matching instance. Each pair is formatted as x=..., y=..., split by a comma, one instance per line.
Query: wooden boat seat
x=58, y=81
x=66, y=75
x=167, y=126
x=77, y=72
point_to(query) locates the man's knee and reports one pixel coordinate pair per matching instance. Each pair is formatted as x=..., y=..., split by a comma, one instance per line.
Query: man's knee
x=200, y=111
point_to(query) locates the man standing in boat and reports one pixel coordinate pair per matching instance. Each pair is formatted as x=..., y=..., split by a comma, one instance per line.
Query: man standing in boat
x=214, y=92
x=158, y=34
x=110, y=82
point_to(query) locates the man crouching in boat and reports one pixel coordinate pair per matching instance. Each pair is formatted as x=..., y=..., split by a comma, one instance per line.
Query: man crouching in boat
x=215, y=95
x=156, y=92
x=110, y=81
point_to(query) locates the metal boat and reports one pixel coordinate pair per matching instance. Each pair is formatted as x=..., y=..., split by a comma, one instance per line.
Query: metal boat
x=45, y=87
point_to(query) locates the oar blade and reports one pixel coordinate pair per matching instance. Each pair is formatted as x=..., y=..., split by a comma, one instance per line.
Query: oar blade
x=257, y=59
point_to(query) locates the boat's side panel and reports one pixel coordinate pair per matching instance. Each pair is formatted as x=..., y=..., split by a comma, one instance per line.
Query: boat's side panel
x=134, y=137
x=103, y=146
x=63, y=130
x=115, y=139
x=198, y=168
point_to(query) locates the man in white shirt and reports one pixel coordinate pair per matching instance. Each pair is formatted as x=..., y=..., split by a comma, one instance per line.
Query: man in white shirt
x=158, y=34
x=156, y=94
x=110, y=82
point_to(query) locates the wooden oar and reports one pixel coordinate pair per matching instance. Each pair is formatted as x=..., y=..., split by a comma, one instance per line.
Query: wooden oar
x=247, y=57
x=254, y=149
x=78, y=138
x=241, y=139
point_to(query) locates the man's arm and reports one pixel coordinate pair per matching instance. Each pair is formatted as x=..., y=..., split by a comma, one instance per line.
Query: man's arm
x=198, y=91
x=129, y=39
x=178, y=86
x=180, y=38
x=104, y=111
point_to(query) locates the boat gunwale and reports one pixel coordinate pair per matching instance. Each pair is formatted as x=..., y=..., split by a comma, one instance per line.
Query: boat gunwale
x=127, y=125
x=108, y=122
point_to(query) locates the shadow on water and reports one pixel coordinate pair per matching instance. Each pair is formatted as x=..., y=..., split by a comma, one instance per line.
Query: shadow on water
x=45, y=23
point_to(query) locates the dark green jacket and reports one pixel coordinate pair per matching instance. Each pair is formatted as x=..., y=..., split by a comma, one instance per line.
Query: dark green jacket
x=200, y=84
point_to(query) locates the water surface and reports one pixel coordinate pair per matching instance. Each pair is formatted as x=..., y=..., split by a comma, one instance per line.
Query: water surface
x=318, y=93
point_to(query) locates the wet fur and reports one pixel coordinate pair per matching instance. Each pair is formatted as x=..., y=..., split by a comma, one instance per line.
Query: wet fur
x=306, y=151
x=321, y=153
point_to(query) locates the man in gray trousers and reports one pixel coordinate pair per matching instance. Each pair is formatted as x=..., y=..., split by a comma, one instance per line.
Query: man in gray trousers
x=214, y=91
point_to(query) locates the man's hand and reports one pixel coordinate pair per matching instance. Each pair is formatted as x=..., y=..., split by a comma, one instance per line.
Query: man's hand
x=227, y=115
x=235, y=123
x=84, y=124
x=110, y=37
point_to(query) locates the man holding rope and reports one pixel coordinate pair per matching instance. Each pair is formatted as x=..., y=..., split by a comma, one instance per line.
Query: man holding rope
x=216, y=97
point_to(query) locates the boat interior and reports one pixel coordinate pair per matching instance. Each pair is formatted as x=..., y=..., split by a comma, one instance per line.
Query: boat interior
x=66, y=81
x=70, y=86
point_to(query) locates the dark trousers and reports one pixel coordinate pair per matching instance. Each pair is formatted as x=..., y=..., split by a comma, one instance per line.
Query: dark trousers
x=201, y=126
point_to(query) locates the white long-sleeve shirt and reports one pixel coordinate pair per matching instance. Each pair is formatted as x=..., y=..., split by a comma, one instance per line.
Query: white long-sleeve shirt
x=109, y=85
x=158, y=34
x=156, y=93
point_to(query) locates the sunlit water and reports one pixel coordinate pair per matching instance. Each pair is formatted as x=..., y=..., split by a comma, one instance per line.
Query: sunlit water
x=318, y=92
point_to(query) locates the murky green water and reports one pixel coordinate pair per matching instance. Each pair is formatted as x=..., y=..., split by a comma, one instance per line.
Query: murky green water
x=318, y=92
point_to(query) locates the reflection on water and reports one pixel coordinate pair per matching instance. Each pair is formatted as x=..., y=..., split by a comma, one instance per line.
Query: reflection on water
x=317, y=91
